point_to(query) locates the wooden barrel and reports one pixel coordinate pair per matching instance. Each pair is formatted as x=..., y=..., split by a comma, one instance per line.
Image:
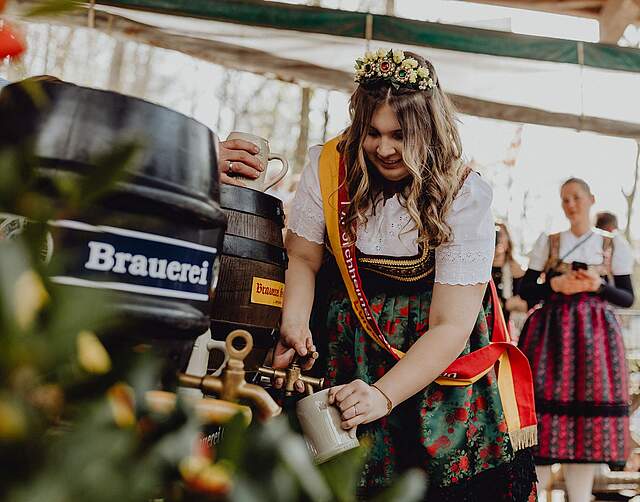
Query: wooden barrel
x=250, y=286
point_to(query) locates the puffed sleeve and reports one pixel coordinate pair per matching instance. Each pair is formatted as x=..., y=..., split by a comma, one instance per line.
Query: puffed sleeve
x=622, y=258
x=468, y=256
x=539, y=253
x=306, y=217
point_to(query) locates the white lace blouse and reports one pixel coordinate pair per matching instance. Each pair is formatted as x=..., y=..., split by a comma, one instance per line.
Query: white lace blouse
x=465, y=259
x=589, y=252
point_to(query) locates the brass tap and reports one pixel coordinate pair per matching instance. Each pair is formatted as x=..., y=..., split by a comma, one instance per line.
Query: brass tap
x=209, y=411
x=291, y=375
x=231, y=385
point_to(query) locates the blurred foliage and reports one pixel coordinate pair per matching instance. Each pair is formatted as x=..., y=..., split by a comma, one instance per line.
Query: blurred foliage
x=69, y=429
x=74, y=425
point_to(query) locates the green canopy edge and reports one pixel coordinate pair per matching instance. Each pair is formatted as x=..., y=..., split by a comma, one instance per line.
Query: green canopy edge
x=397, y=31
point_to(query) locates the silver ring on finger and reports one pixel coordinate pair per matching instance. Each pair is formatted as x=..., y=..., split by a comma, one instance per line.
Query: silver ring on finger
x=355, y=411
x=229, y=167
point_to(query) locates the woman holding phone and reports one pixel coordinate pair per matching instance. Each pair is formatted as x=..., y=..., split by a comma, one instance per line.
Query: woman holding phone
x=574, y=344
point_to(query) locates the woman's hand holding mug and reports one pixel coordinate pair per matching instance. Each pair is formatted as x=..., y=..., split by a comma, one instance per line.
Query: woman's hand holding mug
x=238, y=157
x=359, y=403
x=251, y=167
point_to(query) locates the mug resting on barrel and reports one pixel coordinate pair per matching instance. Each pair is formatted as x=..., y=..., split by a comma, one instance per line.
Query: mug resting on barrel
x=264, y=155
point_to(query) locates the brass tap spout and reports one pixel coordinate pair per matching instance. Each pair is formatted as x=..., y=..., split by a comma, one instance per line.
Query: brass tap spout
x=209, y=384
x=291, y=375
x=209, y=411
x=232, y=386
x=266, y=406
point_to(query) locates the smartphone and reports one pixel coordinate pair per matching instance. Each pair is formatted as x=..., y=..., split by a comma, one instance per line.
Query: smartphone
x=578, y=265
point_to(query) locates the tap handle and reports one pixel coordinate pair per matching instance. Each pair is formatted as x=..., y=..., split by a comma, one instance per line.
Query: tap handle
x=312, y=384
x=301, y=360
x=238, y=337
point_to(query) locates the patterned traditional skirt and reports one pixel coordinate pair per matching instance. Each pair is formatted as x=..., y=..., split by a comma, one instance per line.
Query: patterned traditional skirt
x=458, y=435
x=574, y=344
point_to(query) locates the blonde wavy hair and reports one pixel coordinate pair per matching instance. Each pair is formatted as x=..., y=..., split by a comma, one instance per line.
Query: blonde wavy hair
x=431, y=151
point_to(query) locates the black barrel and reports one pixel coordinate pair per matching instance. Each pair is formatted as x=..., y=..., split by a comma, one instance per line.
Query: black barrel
x=154, y=241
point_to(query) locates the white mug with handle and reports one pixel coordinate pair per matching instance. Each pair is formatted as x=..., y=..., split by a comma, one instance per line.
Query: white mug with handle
x=199, y=361
x=260, y=183
x=321, y=426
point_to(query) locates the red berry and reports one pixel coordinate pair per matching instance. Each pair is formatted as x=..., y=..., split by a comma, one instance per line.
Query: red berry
x=11, y=42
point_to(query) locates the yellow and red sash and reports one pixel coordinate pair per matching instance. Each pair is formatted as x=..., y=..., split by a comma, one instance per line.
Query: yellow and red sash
x=515, y=383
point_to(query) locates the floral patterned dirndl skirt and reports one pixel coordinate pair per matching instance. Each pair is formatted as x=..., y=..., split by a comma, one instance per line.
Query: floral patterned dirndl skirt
x=458, y=435
x=575, y=347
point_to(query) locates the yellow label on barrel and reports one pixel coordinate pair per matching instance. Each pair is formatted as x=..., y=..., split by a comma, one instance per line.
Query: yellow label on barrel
x=267, y=292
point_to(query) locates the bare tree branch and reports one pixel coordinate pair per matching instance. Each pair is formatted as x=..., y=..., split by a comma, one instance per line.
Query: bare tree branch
x=631, y=196
x=303, y=137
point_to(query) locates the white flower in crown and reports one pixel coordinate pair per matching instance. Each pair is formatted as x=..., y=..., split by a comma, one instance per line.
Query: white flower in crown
x=413, y=77
x=398, y=56
x=381, y=52
x=423, y=72
x=410, y=63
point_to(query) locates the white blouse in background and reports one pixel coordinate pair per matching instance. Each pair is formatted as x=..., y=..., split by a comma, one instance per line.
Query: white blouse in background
x=590, y=252
x=389, y=231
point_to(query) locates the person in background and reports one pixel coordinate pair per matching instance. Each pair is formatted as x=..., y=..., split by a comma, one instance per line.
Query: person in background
x=607, y=221
x=507, y=273
x=575, y=346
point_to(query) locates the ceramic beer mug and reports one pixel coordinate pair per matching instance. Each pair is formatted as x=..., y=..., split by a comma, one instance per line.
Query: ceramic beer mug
x=320, y=423
x=260, y=183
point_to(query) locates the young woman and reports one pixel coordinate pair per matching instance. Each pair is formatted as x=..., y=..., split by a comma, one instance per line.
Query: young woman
x=574, y=344
x=400, y=312
x=507, y=274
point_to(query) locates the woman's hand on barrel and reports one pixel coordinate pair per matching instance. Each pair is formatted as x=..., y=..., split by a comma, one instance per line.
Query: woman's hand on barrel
x=238, y=157
x=359, y=403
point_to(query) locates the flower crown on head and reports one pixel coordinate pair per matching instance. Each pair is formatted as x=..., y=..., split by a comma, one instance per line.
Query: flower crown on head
x=394, y=67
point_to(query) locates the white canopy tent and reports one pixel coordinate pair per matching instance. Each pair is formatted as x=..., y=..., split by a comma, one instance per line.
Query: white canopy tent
x=520, y=78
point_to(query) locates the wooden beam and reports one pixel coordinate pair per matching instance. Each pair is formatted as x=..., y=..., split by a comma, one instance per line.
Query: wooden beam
x=528, y=115
x=561, y=6
x=300, y=72
x=615, y=16
x=579, y=8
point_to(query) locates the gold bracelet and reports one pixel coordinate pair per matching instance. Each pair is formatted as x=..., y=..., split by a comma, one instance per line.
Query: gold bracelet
x=389, y=403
